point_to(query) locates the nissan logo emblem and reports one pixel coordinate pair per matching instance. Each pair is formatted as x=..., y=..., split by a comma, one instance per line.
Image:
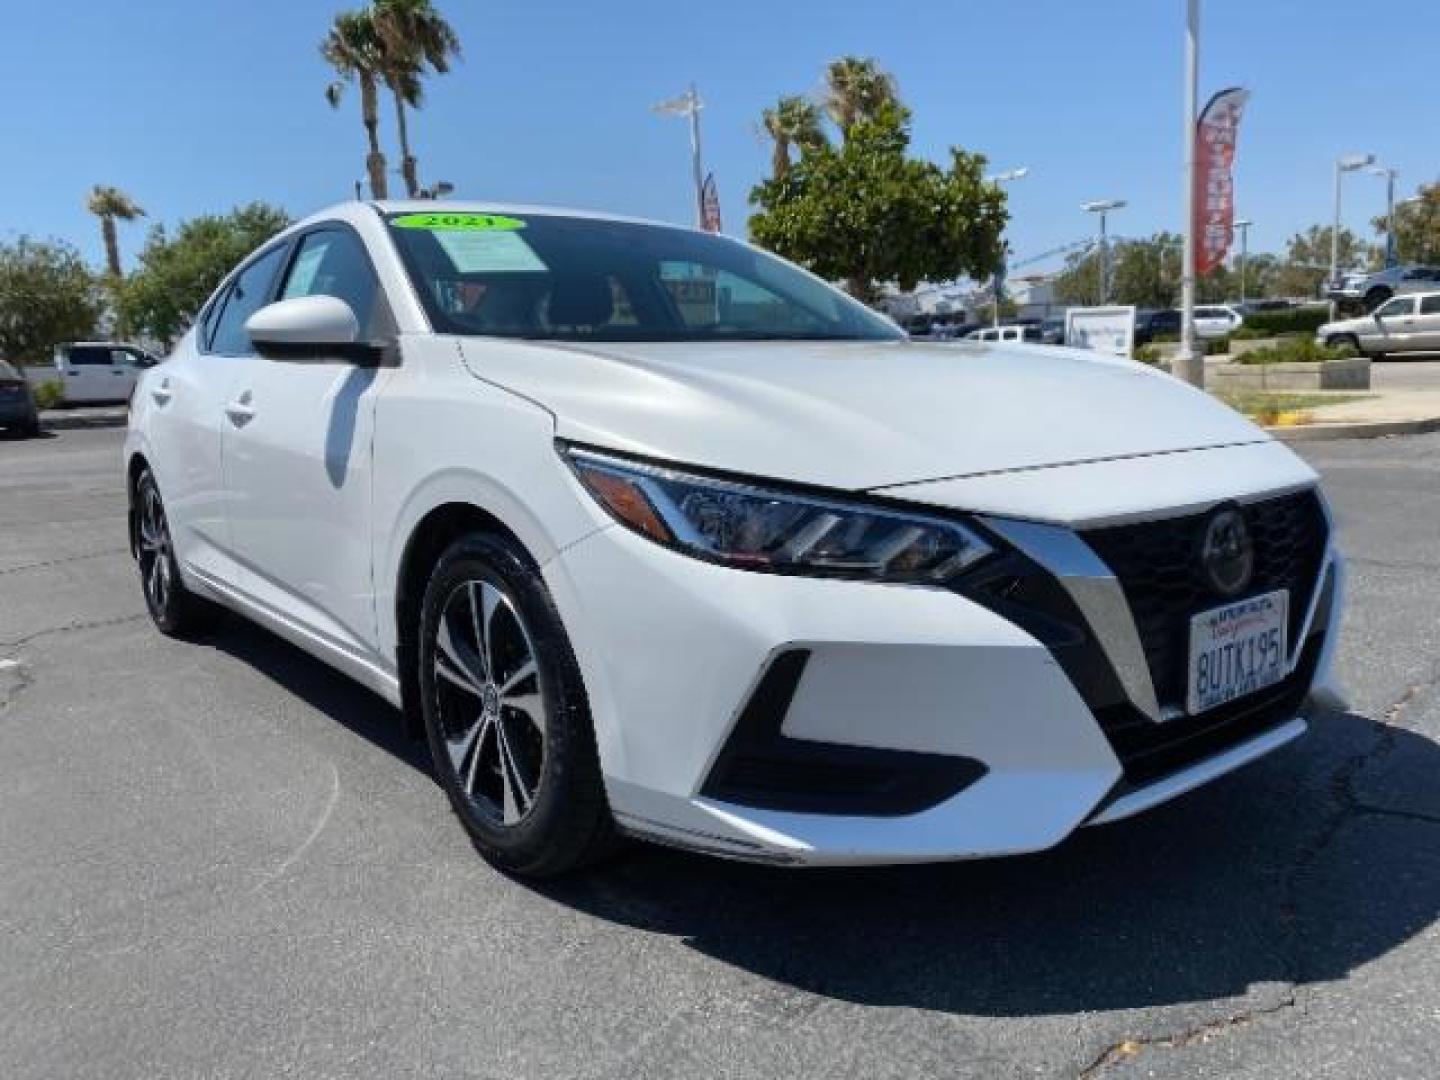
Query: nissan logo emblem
x=1227, y=555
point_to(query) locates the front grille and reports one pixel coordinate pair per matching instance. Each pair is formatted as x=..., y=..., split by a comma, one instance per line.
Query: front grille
x=1157, y=566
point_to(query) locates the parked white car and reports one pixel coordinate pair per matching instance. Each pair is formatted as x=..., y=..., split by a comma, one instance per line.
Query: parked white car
x=1216, y=320
x=1409, y=323
x=650, y=532
x=1026, y=333
x=94, y=372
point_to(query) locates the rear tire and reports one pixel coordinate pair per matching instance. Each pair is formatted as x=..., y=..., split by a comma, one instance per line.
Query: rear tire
x=506, y=715
x=175, y=610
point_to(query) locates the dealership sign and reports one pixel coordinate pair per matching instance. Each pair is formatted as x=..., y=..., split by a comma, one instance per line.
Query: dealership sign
x=1215, y=135
x=1103, y=329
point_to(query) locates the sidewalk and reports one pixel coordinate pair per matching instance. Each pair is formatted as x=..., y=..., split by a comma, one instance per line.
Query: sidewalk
x=82, y=416
x=1404, y=399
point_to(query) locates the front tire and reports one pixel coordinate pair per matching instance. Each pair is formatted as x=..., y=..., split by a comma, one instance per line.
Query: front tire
x=505, y=712
x=175, y=610
x=1344, y=341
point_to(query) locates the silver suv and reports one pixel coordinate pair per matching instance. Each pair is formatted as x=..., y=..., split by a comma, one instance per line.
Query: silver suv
x=1374, y=289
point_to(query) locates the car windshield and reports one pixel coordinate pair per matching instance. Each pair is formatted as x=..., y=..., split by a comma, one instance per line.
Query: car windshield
x=580, y=279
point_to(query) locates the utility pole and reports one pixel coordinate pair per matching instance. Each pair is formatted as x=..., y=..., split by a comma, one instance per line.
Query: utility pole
x=689, y=105
x=1188, y=364
x=1103, y=208
x=1347, y=163
x=999, y=280
x=1389, y=175
x=1244, y=226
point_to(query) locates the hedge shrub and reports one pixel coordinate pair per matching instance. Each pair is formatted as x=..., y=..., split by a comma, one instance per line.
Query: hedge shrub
x=1296, y=320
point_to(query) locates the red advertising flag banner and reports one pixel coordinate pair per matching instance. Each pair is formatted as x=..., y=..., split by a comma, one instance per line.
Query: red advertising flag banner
x=710, y=206
x=1215, y=135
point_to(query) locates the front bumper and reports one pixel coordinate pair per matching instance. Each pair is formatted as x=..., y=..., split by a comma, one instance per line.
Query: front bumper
x=677, y=653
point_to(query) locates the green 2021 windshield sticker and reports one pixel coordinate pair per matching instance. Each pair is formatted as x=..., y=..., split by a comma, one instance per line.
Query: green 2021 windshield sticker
x=457, y=222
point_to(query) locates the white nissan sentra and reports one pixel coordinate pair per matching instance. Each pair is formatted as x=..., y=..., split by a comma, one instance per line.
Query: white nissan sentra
x=651, y=533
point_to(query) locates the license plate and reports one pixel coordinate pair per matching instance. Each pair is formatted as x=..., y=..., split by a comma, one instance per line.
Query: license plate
x=1237, y=649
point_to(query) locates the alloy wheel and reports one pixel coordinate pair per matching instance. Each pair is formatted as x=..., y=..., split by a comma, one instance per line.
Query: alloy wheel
x=490, y=702
x=153, y=543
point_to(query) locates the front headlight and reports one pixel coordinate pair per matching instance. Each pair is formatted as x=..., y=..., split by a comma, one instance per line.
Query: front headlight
x=751, y=527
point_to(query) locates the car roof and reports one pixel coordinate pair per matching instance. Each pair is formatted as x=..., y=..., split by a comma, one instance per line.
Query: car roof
x=470, y=206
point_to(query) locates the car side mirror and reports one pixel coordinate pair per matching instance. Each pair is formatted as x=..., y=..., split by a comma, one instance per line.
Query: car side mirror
x=311, y=329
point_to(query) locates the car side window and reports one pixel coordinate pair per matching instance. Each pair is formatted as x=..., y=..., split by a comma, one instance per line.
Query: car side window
x=248, y=294
x=90, y=356
x=1401, y=305
x=332, y=262
x=1430, y=305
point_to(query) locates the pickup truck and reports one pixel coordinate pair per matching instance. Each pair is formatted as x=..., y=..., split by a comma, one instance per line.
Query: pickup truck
x=93, y=372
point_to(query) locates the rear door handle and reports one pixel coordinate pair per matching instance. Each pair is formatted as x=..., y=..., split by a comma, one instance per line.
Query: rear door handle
x=239, y=411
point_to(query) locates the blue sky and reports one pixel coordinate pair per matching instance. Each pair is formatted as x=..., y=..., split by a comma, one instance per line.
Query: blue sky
x=194, y=107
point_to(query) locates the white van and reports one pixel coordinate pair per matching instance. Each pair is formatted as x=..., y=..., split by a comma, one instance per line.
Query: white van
x=1030, y=334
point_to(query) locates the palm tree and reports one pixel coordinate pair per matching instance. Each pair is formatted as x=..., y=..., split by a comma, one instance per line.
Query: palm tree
x=413, y=37
x=110, y=205
x=352, y=48
x=794, y=121
x=856, y=89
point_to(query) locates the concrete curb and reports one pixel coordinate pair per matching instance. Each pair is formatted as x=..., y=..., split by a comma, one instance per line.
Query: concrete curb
x=1365, y=429
x=70, y=419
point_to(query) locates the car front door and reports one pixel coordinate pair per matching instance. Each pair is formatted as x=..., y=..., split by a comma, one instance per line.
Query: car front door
x=1394, y=326
x=185, y=419
x=297, y=458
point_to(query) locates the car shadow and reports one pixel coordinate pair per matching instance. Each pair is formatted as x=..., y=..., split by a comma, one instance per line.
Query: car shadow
x=320, y=686
x=1272, y=875
x=1266, y=876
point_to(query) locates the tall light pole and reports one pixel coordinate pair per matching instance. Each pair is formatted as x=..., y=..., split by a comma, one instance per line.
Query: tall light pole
x=1347, y=163
x=1103, y=208
x=1243, y=224
x=999, y=284
x=1389, y=175
x=689, y=105
x=1189, y=364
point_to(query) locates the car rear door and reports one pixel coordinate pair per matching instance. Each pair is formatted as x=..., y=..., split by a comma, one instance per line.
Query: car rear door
x=184, y=417
x=298, y=462
x=1427, y=323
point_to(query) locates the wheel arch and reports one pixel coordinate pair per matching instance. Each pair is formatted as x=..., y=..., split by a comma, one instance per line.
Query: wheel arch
x=436, y=530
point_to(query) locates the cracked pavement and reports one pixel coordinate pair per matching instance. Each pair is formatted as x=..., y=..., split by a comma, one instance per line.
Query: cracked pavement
x=222, y=859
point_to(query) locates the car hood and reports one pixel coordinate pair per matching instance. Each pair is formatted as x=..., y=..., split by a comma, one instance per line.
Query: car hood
x=859, y=415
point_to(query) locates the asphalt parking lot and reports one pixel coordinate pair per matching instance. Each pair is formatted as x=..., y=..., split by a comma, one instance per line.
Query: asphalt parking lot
x=223, y=860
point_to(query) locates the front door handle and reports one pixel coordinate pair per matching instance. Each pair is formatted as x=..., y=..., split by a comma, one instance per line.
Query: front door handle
x=240, y=411
x=162, y=393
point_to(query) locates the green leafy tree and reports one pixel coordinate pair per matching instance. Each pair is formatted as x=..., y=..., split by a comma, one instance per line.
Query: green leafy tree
x=47, y=295
x=864, y=212
x=1307, y=260
x=352, y=48
x=177, y=275
x=793, y=122
x=414, y=39
x=1145, y=273
x=1417, y=226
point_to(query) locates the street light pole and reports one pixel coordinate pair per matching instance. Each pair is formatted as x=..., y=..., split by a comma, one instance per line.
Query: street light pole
x=999, y=279
x=689, y=105
x=1190, y=366
x=1244, y=226
x=1348, y=163
x=1103, y=208
x=1389, y=175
